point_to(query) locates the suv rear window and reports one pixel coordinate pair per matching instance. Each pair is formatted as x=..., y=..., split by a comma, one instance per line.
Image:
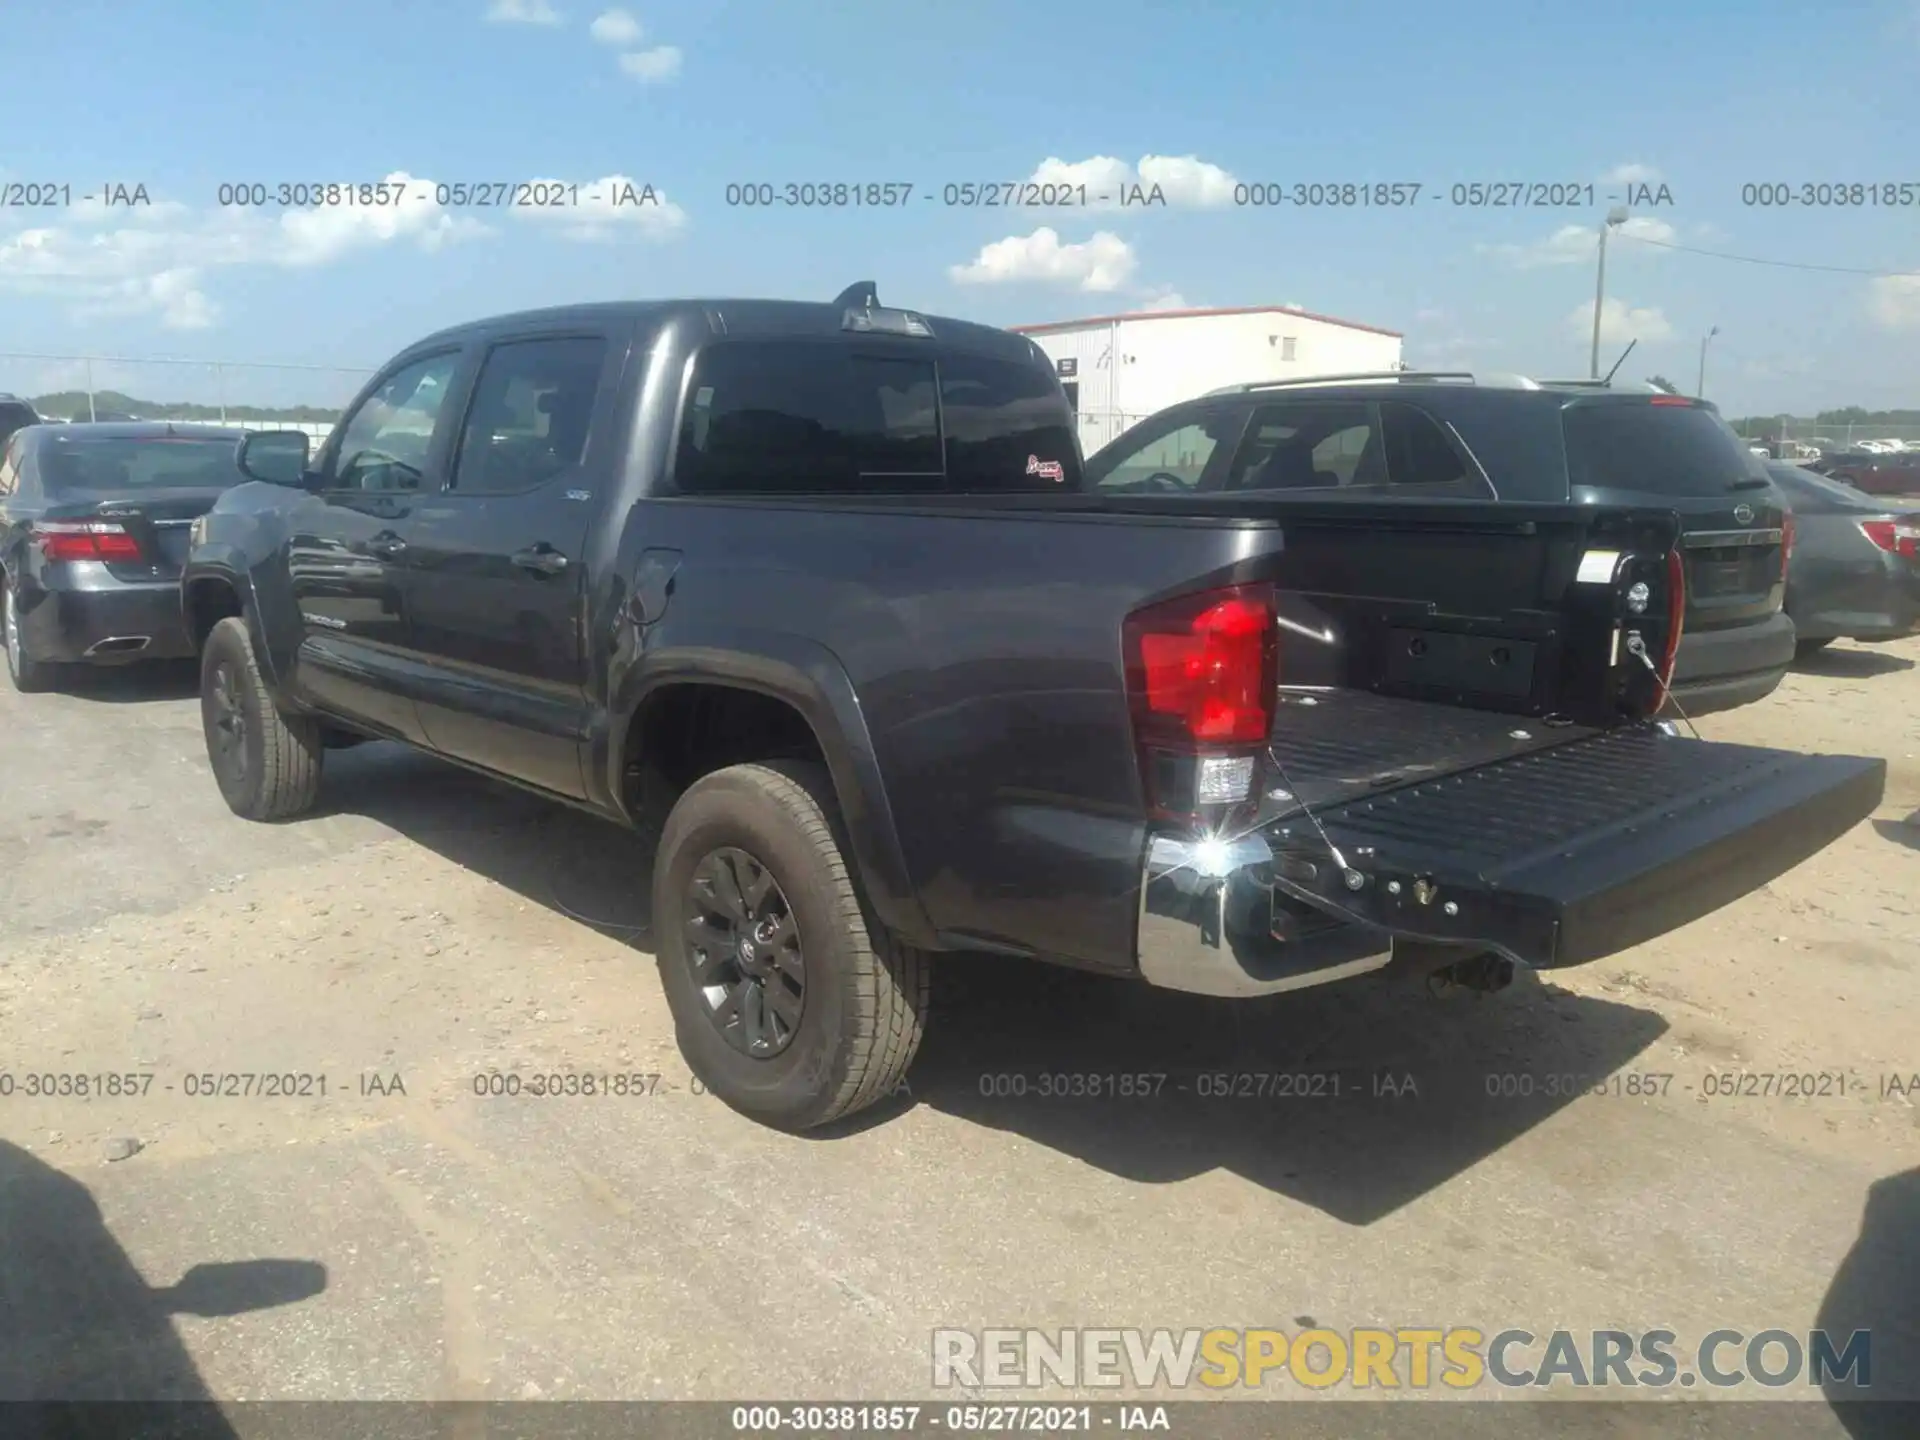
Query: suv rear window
x=796, y=417
x=1655, y=449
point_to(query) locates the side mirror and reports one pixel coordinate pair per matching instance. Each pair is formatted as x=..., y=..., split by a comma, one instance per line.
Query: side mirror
x=278, y=457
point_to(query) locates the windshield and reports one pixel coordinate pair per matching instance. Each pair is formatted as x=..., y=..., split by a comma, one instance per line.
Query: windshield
x=1801, y=483
x=160, y=462
x=1655, y=449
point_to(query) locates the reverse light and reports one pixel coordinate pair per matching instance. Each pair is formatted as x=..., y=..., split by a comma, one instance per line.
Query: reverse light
x=1896, y=537
x=1202, y=671
x=85, y=540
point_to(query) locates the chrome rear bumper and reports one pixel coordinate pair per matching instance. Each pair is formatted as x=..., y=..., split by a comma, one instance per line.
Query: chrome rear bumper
x=1208, y=924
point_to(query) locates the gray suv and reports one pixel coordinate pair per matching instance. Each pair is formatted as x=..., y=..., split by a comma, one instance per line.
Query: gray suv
x=1432, y=435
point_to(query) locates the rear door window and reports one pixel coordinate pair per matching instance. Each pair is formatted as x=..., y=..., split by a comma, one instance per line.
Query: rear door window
x=1655, y=449
x=1310, y=445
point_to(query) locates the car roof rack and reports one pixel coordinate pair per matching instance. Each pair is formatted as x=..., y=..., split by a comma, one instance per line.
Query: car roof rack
x=1361, y=377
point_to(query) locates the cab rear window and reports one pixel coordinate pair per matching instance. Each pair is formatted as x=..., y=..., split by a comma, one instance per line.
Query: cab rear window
x=1654, y=449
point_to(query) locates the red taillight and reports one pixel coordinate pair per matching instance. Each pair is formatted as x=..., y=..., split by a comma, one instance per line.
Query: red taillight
x=1786, y=542
x=86, y=540
x=1202, y=670
x=1670, y=400
x=1676, y=621
x=1896, y=537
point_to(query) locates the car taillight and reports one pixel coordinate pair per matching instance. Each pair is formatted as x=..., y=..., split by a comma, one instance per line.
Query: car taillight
x=1202, y=672
x=1786, y=542
x=1896, y=537
x=85, y=540
x=1676, y=622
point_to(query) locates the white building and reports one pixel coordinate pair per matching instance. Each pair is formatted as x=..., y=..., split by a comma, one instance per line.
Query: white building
x=1119, y=369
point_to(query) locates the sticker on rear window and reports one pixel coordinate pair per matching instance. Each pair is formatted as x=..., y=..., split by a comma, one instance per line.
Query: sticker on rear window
x=1045, y=469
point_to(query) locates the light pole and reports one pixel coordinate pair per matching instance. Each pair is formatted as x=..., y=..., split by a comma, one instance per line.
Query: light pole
x=1701, y=389
x=1615, y=216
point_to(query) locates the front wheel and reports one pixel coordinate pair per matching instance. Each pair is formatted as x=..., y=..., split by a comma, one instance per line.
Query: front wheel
x=267, y=764
x=29, y=676
x=789, y=1003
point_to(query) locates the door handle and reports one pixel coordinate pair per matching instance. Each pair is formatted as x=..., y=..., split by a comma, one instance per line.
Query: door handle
x=542, y=559
x=386, y=547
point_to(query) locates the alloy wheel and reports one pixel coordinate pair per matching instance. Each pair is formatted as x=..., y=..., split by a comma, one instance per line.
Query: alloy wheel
x=743, y=948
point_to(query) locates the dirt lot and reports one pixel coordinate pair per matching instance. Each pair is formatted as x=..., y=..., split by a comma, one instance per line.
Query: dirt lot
x=431, y=928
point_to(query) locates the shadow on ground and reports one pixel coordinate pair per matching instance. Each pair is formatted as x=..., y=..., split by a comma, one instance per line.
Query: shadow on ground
x=1877, y=1289
x=573, y=863
x=1850, y=664
x=1356, y=1099
x=1902, y=832
x=140, y=684
x=79, y=1323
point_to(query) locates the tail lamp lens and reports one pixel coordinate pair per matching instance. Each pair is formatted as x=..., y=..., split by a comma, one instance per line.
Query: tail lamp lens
x=1202, y=669
x=1893, y=536
x=1676, y=619
x=85, y=540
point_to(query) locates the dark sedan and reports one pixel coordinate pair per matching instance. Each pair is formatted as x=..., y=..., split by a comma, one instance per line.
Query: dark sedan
x=1855, y=573
x=93, y=529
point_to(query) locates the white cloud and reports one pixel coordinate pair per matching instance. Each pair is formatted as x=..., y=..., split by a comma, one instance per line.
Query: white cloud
x=1577, y=244
x=610, y=206
x=324, y=233
x=616, y=28
x=522, y=12
x=1620, y=322
x=1104, y=262
x=1185, y=181
x=1631, y=173
x=1894, y=301
x=662, y=62
x=1165, y=300
x=121, y=263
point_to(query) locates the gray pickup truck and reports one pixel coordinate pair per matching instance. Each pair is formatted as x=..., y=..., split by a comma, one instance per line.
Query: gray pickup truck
x=817, y=593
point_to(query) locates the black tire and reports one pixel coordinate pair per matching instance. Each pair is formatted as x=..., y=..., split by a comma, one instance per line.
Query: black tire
x=865, y=999
x=268, y=767
x=29, y=676
x=1804, y=648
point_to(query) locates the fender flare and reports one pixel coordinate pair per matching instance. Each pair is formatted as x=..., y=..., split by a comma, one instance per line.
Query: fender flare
x=811, y=679
x=224, y=565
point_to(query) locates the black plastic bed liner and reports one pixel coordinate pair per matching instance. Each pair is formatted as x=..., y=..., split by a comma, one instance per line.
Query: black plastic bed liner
x=1592, y=844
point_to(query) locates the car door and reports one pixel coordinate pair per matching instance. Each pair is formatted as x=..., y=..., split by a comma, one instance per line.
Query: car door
x=348, y=539
x=495, y=578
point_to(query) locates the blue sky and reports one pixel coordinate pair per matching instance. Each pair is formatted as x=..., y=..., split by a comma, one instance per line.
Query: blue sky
x=688, y=98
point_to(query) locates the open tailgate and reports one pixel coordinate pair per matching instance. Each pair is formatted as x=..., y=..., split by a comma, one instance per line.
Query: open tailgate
x=1574, y=849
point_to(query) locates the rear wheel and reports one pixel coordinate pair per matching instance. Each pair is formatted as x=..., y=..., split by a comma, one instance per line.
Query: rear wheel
x=789, y=1003
x=29, y=676
x=267, y=764
x=1803, y=648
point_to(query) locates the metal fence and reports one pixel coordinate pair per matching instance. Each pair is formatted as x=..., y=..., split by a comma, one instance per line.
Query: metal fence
x=1827, y=435
x=250, y=395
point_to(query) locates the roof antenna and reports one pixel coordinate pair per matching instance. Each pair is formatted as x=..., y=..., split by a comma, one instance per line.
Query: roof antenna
x=862, y=295
x=1621, y=361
